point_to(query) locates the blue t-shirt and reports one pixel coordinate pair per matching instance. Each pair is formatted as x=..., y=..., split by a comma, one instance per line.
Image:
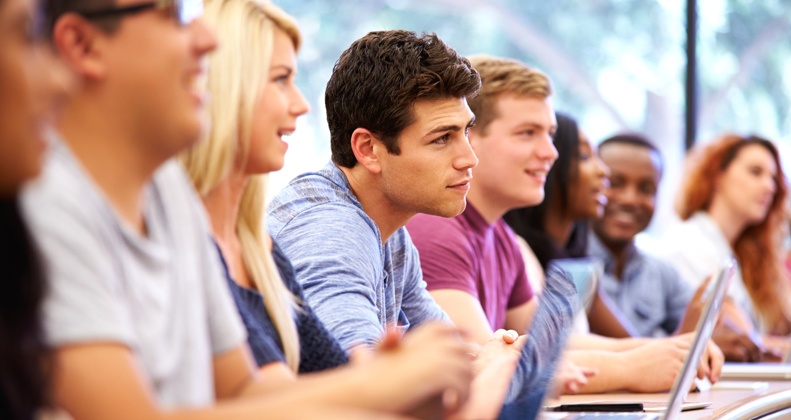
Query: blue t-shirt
x=318, y=349
x=357, y=285
x=650, y=293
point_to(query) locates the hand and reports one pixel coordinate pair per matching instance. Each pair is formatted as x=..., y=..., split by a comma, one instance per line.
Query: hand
x=737, y=346
x=658, y=363
x=495, y=365
x=430, y=362
x=569, y=377
x=711, y=362
x=502, y=344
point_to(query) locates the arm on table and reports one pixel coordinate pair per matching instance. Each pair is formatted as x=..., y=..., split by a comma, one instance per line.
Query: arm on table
x=81, y=388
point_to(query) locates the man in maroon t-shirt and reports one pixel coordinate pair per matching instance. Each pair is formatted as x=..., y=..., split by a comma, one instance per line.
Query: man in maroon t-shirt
x=472, y=263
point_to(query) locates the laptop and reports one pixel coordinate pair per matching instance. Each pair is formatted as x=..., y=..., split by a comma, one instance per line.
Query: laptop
x=756, y=371
x=714, y=296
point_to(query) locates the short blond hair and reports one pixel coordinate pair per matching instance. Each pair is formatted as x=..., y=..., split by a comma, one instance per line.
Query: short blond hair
x=500, y=76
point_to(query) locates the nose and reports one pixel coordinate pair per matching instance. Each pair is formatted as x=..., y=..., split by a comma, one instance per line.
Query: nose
x=770, y=184
x=547, y=149
x=627, y=196
x=204, y=39
x=467, y=159
x=299, y=105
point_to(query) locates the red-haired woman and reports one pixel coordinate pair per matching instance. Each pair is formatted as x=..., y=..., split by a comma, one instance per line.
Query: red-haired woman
x=732, y=203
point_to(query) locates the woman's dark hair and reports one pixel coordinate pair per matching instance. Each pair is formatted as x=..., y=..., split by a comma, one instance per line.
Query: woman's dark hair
x=528, y=222
x=24, y=361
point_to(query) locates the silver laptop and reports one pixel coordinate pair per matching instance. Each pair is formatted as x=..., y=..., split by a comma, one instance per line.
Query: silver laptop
x=756, y=371
x=671, y=410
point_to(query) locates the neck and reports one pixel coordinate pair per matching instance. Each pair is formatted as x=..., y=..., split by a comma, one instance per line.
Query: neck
x=620, y=252
x=729, y=223
x=111, y=155
x=488, y=207
x=558, y=227
x=222, y=204
x=367, y=188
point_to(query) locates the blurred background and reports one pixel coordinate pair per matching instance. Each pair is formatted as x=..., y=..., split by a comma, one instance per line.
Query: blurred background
x=615, y=64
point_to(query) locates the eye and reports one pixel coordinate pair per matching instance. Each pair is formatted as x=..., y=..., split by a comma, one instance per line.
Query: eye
x=442, y=139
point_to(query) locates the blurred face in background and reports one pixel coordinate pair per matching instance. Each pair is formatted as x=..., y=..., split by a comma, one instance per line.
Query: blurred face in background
x=32, y=83
x=631, y=198
x=747, y=186
x=587, y=193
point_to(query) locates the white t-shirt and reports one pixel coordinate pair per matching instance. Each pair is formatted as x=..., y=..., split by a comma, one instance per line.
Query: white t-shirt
x=696, y=249
x=162, y=295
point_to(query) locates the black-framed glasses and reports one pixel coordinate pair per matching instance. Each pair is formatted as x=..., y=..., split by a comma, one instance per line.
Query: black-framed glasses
x=184, y=11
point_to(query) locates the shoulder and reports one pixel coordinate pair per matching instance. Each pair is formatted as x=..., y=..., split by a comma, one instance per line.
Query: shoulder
x=317, y=202
x=430, y=231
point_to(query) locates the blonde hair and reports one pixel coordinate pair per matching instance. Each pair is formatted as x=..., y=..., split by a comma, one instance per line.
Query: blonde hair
x=246, y=29
x=503, y=76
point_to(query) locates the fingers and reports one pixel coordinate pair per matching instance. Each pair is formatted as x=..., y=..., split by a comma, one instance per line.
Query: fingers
x=716, y=360
x=508, y=336
x=752, y=349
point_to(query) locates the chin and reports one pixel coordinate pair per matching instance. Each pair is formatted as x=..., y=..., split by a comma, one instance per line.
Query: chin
x=449, y=211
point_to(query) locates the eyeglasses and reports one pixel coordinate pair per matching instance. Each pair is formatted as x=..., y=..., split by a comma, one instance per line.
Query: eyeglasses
x=184, y=11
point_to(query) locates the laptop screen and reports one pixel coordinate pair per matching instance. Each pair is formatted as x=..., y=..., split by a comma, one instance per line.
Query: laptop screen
x=715, y=294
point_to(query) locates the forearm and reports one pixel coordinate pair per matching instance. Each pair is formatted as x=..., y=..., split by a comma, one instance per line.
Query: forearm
x=612, y=374
x=546, y=338
x=597, y=342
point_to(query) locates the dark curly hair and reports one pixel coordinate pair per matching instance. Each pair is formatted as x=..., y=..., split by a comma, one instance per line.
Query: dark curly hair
x=377, y=80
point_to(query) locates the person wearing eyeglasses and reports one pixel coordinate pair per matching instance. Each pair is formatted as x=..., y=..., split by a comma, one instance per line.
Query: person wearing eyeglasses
x=138, y=317
x=32, y=84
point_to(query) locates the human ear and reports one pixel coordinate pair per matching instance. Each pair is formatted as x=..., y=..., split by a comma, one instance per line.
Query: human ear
x=366, y=148
x=79, y=45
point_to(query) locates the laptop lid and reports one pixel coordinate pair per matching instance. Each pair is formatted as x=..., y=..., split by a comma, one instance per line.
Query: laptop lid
x=715, y=294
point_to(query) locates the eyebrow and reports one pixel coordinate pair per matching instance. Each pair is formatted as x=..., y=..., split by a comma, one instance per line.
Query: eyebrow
x=451, y=127
x=288, y=69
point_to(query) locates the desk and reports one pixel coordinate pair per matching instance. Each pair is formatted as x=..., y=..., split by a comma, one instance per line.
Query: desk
x=772, y=403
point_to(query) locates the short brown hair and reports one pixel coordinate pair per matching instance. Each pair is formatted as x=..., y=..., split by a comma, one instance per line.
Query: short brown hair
x=504, y=76
x=377, y=80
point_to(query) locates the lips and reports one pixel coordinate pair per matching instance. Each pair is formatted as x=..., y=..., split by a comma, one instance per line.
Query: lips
x=285, y=132
x=463, y=184
x=539, y=174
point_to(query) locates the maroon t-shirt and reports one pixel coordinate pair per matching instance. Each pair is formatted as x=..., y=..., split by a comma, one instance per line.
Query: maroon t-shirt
x=466, y=253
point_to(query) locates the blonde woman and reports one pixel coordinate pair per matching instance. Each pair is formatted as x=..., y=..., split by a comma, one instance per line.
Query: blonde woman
x=255, y=102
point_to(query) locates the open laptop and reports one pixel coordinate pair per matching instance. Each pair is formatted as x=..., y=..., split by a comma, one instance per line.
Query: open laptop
x=756, y=371
x=715, y=295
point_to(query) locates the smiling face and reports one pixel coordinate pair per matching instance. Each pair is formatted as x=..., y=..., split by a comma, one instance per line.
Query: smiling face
x=586, y=193
x=747, y=186
x=515, y=153
x=433, y=171
x=631, y=198
x=32, y=82
x=153, y=66
x=276, y=109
